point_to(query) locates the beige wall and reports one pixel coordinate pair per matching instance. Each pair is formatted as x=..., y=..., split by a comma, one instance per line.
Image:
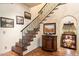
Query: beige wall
x=11, y=35
x=64, y=10
x=60, y=13
x=34, y=10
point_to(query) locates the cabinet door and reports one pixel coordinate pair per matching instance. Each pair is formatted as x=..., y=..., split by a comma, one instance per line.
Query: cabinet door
x=49, y=44
x=44, y=43
x=55, y=43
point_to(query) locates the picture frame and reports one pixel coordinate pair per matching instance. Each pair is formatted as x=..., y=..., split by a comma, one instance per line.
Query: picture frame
x=20, y=20
x=27, y=15
x=6, y=22
x=68, y=41
x=49, y=28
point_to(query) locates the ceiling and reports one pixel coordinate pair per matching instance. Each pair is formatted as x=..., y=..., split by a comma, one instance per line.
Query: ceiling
x=32, y=4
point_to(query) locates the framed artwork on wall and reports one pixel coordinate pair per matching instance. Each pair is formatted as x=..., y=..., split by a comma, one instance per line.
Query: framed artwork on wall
x=20, y=20
x=68, y=41
x=6, y=22
x=27, y=15
x=49, y=28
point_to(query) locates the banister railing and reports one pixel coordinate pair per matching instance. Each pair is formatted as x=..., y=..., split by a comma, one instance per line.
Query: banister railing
x=42, y=8
x=29, y=24
x=48, y=7
x=33, y=19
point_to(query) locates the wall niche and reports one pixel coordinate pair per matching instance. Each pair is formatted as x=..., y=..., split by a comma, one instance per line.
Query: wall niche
x=68, y=37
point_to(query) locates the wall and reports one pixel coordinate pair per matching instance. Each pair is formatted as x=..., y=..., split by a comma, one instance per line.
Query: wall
x=34, y=10
x=64, y=10
x=11, y=35
x=48, y=20
x=59, y=14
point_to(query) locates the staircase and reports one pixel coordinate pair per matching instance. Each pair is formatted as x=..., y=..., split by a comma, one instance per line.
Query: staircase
x=31, y=30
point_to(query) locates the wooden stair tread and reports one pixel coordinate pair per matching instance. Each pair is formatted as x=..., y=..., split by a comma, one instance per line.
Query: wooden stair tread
x=22, y=46
x=19, y=44
x=17, y=50
x=19, y=47
x=25, y=41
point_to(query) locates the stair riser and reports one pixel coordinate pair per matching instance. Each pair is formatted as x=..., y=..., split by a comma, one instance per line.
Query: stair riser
x=25, y=41
x=17, y=50
x=22, y=46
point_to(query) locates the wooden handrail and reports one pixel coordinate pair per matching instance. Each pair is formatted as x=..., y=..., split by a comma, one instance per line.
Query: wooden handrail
x=42, y=8
x=48, y=14
x=29, y=24
x=33, y=19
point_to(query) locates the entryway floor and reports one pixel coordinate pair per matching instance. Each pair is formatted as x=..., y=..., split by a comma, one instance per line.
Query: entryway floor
x=62, y=52
x=40, y=52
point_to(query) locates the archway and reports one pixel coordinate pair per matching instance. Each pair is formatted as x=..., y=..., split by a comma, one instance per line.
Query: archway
x=68, y=29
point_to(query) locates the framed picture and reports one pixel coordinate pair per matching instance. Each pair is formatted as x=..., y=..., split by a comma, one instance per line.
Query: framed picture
x=68, y=41
x=20, y=20
x=49, y=28
x=6, y=22
x=27, y=15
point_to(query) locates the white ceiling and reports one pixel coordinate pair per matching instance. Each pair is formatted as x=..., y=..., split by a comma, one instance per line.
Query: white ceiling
x=32, y=4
